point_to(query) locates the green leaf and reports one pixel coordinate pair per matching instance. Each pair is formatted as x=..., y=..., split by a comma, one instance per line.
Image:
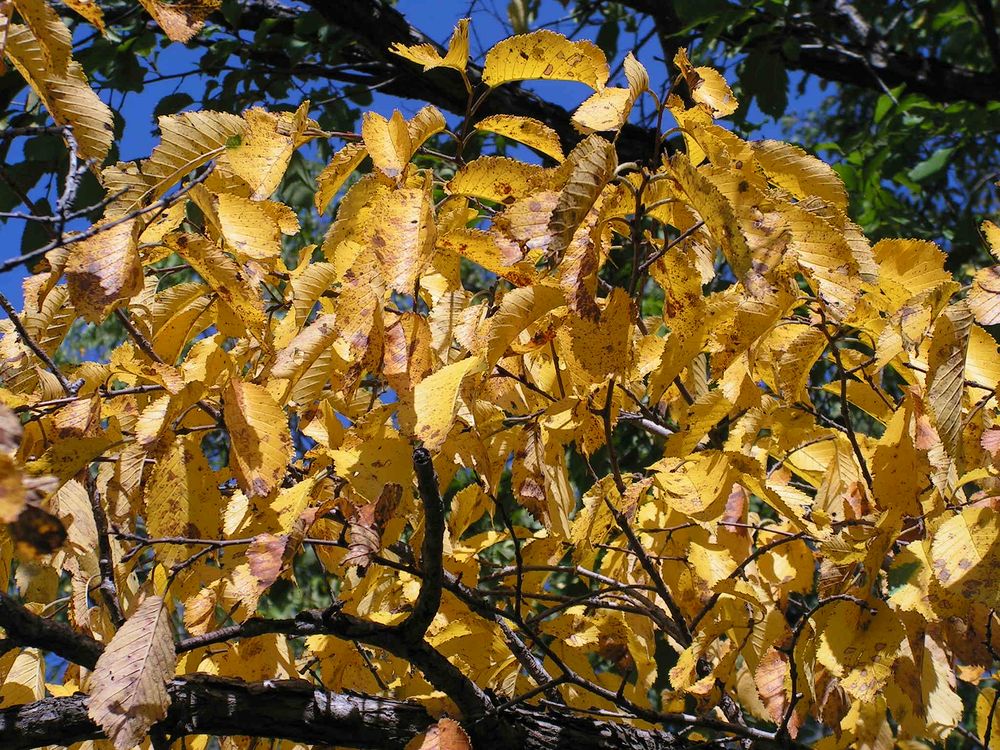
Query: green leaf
x=882, y=108
x=766, y=80
x=172, y=104
x=931, y=165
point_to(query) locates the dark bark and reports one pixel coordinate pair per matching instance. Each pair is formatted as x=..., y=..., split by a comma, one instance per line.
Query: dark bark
x=295, y=710
x=24, y=628
x=863, y=61
x=822, y=50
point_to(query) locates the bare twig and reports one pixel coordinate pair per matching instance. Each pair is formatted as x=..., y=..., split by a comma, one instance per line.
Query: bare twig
x=33, y=345
x=108, y=589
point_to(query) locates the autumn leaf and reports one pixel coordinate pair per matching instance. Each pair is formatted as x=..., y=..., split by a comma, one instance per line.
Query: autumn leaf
x=65, y=92
x=436, y=401
x=545, y=55
x=181, y=21
x=366, y=525
x=335, y=174
x=859, y=645
x=708, y=88
x=446, y=734
x=964, y=553
x=424, y=54
x=104, y=269
x=526, y=130
x=187, y=141
x=258, y=429
x=723, y=457
x=591, y=164
x=128, y=687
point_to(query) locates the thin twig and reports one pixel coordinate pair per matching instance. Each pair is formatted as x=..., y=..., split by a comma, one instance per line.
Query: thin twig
x=31, y=344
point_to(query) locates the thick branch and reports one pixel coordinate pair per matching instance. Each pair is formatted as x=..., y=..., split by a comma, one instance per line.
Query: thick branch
x=376, y=26
x=432, y=551
x=27, y=629
x=295, y=710
x=866, y=63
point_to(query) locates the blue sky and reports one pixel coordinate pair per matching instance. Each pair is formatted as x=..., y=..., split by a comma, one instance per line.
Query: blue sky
x=436, y=19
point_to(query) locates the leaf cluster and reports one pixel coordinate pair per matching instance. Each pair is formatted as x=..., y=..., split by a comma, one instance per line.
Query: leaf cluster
x=670, y=439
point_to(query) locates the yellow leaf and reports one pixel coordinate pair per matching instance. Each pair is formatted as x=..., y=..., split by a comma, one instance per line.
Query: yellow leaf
x=486, y=249
x=698, y=485
x=387, y=141
x=636, y=75
x=992, y=233
x=458, y=46
x=497, y=178
x=65, y=93
x=187, y=141
x=335, y=174
x=715, y=211
x=526, y=130
x=404, y=238
x=65, y=458
x=986, y=708
x=251, y=228
x=51, y=33
x=89, y=10
x=181, y=21
x=181, y=497
x=292, y=502
x=547, y=56
x=590, y=166
x=104, y=269
x=984, y=296
x=770, y=678
x=898, y=468
x=946, y=372
x=701, y=416
x=826, y=257
x=456, y=57
x=231, y=281
x=858, y=645
x=408, y=358
x=258, y=431
x=607, y=109
x=266, y=145
x=799, y=173
x=359, y=316
x=128, y=691
x=179, y=313
x=12, y=490
x=24, y=681
x=907, y=268
x=518, y=309
x=604, y=346
x=308, y=362
x=436, y=401
x=427, y=122
x=594, y=521
x=965, y=554
x=708, y=88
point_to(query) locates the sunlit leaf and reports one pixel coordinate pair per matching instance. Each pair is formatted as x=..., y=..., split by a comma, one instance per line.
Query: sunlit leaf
x=545, y=55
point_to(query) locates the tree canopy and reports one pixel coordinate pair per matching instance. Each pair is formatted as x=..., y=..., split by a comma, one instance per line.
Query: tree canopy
x=517, y=426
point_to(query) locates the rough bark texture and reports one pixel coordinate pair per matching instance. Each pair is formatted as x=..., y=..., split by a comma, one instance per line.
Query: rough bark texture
x=295, y=710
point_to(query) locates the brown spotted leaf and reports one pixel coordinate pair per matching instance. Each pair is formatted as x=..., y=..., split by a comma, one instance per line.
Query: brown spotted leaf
x=128, y=689
x=258, y=431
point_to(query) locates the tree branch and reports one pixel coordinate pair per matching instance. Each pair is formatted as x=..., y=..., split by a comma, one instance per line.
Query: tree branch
x=295, y=710
x=25, y=628
x=34, y=346
x=432, y=552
